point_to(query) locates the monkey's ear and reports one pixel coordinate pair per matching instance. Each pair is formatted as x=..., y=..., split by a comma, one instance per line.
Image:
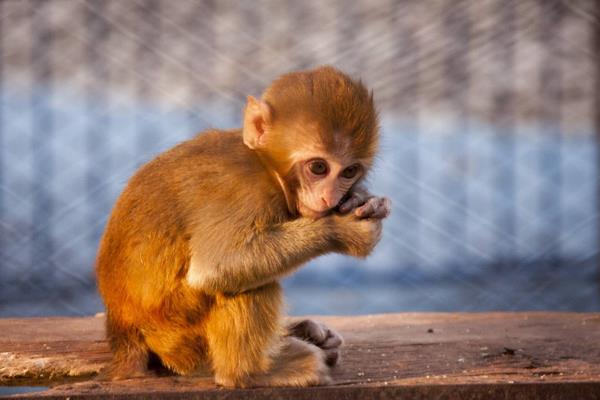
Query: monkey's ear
x=257, y=116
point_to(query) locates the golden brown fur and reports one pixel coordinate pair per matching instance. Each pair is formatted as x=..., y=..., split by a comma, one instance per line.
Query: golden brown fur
x=189, y=264
x=333, y=101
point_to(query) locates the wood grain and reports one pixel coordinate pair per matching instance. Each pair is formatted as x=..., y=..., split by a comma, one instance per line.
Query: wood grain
x=418, y=355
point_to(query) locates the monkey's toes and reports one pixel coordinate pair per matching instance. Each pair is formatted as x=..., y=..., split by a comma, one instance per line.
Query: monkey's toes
x=332, y=356
x=320, y=335
x=332, y=340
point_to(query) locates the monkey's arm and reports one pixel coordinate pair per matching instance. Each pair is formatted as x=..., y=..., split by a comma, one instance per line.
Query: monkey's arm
x=269, y=253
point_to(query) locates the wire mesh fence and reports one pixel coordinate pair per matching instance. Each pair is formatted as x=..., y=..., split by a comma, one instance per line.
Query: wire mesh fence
x=489, y=151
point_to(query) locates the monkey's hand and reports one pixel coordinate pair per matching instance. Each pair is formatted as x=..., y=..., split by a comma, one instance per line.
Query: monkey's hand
x=356, y=236
x=321, y=336
x=365, y=205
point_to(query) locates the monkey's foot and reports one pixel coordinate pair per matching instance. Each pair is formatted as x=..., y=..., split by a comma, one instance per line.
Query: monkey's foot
x=120, y=371
x=321, y=336
x=298, y=364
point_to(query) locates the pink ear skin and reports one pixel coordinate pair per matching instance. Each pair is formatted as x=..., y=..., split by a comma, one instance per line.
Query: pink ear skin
x=257, y=115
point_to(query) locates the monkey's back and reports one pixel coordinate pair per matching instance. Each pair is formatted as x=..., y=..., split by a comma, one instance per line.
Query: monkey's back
x=208, y=183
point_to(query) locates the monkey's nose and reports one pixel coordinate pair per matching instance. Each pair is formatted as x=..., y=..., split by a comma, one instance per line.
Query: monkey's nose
x=327, y=202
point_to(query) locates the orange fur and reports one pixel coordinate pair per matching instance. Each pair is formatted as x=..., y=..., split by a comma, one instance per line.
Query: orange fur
x=189, y=264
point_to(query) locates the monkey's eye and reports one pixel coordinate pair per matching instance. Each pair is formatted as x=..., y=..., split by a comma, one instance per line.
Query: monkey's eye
x=318, y=167
x=350, y=172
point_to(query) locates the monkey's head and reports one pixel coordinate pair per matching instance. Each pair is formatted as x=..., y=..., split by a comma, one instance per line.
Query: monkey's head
x=318, y=132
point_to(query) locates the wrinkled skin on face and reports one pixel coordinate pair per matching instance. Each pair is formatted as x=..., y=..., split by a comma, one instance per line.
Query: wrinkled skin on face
x=324, y=181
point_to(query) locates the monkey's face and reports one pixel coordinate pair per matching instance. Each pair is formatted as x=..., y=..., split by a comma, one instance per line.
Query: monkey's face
x=317, y=131
x=323, y=181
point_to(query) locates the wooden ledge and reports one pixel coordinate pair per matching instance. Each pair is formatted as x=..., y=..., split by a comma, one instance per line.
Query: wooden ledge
x=414, y=355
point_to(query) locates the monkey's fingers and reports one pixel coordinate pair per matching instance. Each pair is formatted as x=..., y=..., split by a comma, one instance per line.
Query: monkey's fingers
x=375, y=207
x=355, y=200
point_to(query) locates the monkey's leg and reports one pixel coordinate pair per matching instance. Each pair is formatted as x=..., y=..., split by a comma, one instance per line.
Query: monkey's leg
x=247, y=346
x=176, y=333
x=181, y=349
x=130, y=353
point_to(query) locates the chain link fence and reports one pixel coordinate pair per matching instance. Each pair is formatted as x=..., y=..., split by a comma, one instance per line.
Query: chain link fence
x=489, y=154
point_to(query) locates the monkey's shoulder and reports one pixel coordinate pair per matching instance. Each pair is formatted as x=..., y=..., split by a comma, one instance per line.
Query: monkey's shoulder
x=210, y=158
x=214, y=154
x=212, y=177
x=216, y=168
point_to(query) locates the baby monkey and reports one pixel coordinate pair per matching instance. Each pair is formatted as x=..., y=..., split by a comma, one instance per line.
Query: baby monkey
x=190, y=262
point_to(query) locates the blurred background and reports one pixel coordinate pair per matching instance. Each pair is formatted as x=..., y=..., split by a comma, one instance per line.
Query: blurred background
x=489, y=115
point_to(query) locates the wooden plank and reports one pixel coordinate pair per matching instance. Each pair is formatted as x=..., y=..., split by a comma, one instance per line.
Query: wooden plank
x=419, y=355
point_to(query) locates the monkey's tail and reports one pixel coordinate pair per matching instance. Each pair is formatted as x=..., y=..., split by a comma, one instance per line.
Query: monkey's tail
x=130, y=352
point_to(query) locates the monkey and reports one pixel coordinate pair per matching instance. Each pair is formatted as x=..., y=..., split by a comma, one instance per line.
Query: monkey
x=189, y=264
